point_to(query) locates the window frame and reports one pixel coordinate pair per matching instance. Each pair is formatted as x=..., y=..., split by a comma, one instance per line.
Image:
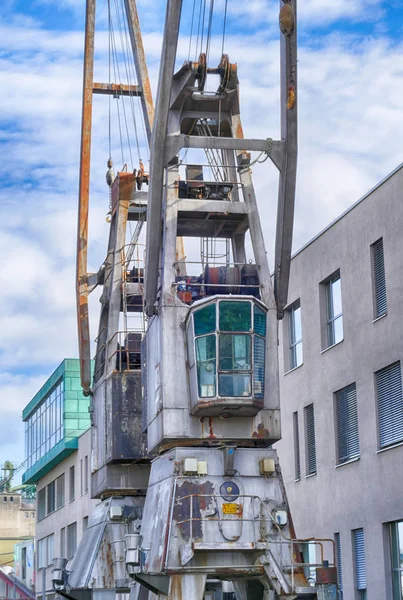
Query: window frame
x=310, y=440
x=360, y=592
x=383, y=418
x=397, y=571
x=331, y=317
x=293, y=342
x=252, y=333
x=69, y=529
x=72, y=484
x=351, y=425
x=337, y=544
x=379, y=292
x=297, y=447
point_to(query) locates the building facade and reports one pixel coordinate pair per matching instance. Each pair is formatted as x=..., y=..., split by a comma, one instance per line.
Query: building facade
x=58, y=449
x=24, y=567
x=12, y=588
x=341, y=354
x=17, y=523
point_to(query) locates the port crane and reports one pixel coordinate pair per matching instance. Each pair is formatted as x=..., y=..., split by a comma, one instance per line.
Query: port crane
x=185, y=413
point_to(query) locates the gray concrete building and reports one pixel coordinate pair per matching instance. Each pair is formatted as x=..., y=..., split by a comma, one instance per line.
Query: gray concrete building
x=341, y=354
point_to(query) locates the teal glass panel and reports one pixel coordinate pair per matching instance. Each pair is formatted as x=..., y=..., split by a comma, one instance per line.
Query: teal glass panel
x=234, y=385
x=204, y=320
x=259, y=320
x=235, y=352
x=206, y=366
x=235, y=316
x=258, y=367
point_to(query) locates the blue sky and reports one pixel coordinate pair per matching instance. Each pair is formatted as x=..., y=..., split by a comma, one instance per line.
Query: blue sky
x=350, y=128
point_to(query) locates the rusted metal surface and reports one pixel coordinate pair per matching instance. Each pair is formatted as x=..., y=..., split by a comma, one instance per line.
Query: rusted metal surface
x=141, y=65
x=116, y=89
x=123, y=188
x=261, y=432
x=83, y=203
x=188, y=506
x=326, y=575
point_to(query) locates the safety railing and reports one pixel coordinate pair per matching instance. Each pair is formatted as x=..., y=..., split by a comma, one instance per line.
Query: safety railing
x=258, y=542
x=127, y=353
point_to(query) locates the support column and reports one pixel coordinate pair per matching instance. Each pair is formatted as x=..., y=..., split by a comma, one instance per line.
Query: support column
x=115, y=296
x=187, y=587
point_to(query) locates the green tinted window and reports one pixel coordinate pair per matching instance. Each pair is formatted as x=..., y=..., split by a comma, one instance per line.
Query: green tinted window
x=204, y=320
x=258, y=367
x=235, y=316
x=235, y=352
x=206, y=366
x=259, y=320
x=234, y=385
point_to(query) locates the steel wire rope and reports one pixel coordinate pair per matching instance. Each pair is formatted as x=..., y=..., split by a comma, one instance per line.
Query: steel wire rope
x=191, y=29
x=133, y=78
x=224, y=26
x=120, y=83
x=109, y=81
x=118, y=109
x=202, y=28
x=198, y=30
x=209, y=28
x=128, y=63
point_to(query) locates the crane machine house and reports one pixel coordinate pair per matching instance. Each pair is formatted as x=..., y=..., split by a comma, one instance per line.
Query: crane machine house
x=184, y=414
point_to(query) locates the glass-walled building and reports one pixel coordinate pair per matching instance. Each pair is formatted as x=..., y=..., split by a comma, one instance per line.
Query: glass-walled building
x=54, y=419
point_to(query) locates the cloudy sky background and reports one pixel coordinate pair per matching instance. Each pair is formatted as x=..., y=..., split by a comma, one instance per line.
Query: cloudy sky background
x=350, y=137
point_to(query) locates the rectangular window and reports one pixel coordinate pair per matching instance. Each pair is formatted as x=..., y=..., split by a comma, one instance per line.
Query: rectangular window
x=45, y=426
x=41, y=503
x=81, y=478
x=24, y=562
x=390, y=404
x=85, y=474
x=378, y=279
x=338, y=564
x=295, y=336
x=41, y=552
x=71, y=539
x=85, y=523
x=334, y=310
x=50, y=549
x=396, y=541
x=72, y=484
x=297, y=457
x=60, y=491
x=359, y=564
x=51, y=497
x=310, y=440
x=62, y=542
x=348, y=446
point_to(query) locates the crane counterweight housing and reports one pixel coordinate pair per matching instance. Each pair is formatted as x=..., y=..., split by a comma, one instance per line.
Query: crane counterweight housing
x=184, y=413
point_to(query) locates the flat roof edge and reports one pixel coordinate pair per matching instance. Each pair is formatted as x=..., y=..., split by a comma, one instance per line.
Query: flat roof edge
x=343, y=214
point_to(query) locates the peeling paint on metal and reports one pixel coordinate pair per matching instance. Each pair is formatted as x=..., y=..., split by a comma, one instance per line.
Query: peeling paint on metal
x=182, y=512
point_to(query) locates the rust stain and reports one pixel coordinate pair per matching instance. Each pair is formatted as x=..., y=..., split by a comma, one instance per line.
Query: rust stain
x=261, y=432
x=176, y=587
x=239, y=130
x=83, y=202
x=202, y=426
x=210, y=424
x=185, y=494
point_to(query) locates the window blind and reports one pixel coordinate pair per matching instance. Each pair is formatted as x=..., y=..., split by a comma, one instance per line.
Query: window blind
x=390, y=404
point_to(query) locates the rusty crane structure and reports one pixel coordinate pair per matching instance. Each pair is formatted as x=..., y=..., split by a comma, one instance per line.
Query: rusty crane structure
x=185, y=413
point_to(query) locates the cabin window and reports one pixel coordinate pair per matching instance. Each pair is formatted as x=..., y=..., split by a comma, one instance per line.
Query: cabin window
x=230, y=358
